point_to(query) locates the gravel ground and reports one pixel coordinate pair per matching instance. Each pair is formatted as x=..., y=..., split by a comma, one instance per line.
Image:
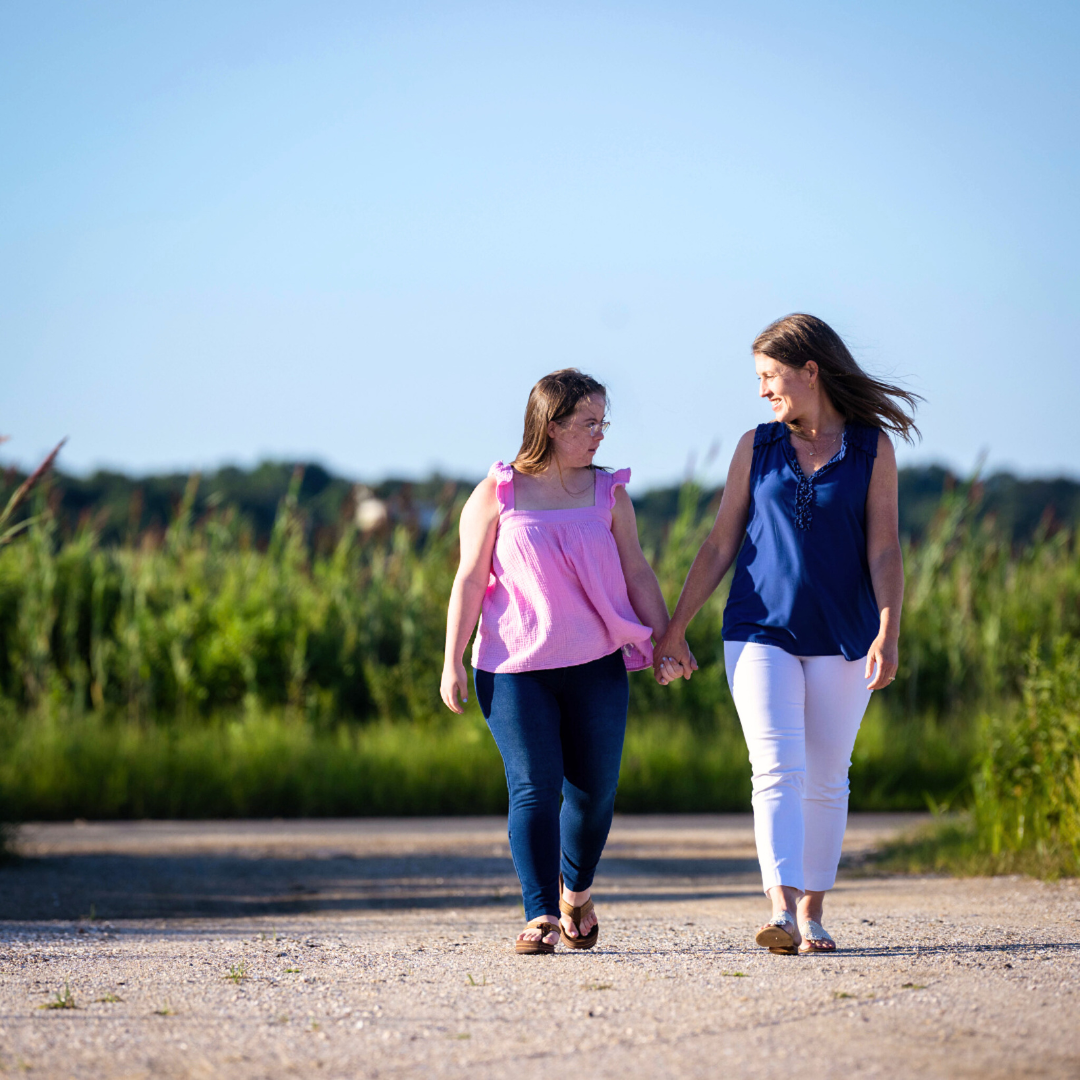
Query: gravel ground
x=382, y=948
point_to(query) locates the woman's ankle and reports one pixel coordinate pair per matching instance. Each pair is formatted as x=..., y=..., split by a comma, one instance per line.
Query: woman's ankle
x=784, y=898
x=812, y=906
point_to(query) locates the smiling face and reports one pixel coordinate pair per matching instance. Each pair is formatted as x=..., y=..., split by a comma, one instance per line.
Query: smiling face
x=577, y=439
x=786, y=389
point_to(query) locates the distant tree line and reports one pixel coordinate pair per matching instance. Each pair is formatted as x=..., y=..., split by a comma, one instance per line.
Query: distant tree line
x=119, y=509
x=1019, y=508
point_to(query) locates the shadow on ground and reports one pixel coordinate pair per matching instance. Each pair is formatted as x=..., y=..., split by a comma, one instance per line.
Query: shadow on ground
x=126, y=886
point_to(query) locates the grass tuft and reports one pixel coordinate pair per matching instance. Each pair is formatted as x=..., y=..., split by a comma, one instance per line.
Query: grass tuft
x=64, y=999
x=237, y=972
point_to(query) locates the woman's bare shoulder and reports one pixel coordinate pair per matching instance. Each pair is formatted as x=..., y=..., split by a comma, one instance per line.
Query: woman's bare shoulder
x=885, y=448
x=483, y=503
x=746, y=441
x=744, y=451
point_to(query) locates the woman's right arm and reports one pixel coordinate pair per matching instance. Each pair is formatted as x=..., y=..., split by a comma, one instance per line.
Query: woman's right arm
x=476, y=532
x=713, y=560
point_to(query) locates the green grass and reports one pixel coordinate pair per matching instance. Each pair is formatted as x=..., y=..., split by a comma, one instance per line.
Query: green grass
x=1023, y=814
x=953, y=846
x=56, y=766
x=190, y=674
x=64, y=999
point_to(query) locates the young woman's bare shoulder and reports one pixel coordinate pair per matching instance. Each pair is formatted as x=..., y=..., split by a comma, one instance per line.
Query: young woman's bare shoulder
x=485, y=489
x=483, y=503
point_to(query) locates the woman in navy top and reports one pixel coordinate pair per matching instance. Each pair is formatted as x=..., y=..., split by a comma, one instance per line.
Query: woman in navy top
x=812, y=621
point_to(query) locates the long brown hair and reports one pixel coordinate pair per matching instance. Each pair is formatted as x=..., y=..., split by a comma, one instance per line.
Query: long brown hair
x=553, y=398
x=795, y=339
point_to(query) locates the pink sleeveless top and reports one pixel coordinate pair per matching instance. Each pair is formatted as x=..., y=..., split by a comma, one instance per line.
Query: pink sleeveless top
x=557, y=596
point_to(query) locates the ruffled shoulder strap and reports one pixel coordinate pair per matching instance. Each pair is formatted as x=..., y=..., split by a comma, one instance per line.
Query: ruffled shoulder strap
x=503, y=475
x=768, y=433
x=606, y=483
x=863, y=438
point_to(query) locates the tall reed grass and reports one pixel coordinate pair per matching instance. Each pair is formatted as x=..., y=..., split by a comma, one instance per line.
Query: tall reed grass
x=193, y=674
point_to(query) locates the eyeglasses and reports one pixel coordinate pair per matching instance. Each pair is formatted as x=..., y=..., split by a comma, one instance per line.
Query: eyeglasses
x=590, y=426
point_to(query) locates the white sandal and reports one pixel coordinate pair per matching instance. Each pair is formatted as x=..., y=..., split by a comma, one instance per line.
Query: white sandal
x=815, y=938
x=778, y=934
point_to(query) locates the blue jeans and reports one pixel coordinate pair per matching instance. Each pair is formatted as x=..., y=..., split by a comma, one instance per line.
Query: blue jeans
x=560, y=732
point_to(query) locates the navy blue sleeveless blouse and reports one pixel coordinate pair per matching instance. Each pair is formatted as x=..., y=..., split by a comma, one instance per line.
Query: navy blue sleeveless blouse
x=802, y=580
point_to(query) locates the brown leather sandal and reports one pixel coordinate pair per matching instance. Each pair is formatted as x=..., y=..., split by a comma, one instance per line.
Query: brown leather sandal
x=533, y=948
x=586, y=941
x=778, y=934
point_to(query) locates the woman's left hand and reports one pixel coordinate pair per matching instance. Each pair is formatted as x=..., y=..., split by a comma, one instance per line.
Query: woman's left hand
x=884, y=655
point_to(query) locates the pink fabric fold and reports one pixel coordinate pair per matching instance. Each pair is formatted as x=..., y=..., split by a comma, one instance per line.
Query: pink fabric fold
x=556, y=596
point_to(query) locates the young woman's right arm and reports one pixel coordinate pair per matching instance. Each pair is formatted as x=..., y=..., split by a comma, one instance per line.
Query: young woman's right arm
x=713, y=560
x=476, y=533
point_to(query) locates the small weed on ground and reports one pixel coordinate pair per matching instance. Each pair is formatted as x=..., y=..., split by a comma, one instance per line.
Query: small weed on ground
x=64, y=999
x=237, y=972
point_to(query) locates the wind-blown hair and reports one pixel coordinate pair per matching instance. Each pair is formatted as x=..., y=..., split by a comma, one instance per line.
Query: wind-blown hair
x=553, y=398
x=796, y=339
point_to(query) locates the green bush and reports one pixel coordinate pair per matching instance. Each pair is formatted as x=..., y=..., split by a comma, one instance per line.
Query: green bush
x=1027, y=784
x=1024, y=815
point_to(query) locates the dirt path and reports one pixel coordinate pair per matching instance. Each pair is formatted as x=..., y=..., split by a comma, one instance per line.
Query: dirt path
x=381, y=948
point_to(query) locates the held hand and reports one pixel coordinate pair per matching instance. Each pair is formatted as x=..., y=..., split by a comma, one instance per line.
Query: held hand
x=454, y=689
x=884, y=655
x=667, y=670
x=672, y=658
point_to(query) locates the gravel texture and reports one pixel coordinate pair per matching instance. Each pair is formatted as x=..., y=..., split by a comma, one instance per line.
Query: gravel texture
x=383, y=948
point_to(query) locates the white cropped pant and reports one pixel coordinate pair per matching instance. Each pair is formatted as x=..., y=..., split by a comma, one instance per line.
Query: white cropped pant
x=800, y=716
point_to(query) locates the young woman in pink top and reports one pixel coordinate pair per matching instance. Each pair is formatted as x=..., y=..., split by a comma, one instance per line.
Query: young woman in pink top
x=551, y=564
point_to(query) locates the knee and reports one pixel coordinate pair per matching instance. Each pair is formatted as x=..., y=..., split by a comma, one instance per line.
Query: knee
x=597, y=798
x=778, y=781
x=531, y=790
x=829, y=789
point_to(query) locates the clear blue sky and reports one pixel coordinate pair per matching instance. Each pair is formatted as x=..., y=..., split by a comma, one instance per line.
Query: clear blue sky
x=358, y=232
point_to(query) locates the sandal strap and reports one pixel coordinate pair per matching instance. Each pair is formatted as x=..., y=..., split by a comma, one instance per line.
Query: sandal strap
x=812, y=930
x=542, y=921
x=782, y=920
x=575, y=913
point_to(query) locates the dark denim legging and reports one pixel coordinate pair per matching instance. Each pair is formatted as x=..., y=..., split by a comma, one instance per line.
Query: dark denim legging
x=559, y=731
